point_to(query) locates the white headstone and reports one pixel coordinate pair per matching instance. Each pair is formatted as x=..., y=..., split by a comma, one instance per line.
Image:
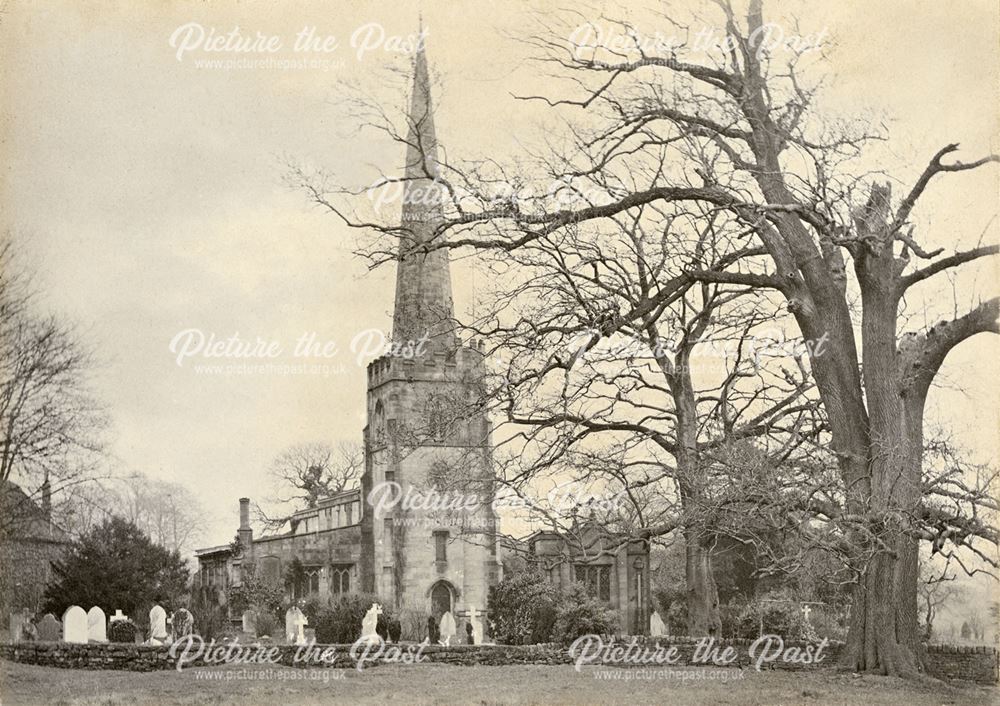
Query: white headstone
x=157, y=624
x=806, y=610
x=118, y=616
x=290, y=630
x=656, y=626
x=97, y=625
x=300, y=628
x=477, y=625
x=370, y=623
x=75, y=625
x=447, y=627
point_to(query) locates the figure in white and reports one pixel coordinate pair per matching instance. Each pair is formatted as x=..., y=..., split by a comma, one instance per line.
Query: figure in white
x=656, y=626
x=370, y=623
x=447, y=627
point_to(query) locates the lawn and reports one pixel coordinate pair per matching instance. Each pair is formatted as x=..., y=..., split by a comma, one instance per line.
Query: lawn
x=444, y=684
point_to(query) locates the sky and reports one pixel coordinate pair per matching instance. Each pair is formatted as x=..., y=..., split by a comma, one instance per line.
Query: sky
x=147, y=192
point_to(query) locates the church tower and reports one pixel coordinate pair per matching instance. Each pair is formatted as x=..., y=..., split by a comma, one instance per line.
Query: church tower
x=429, y=541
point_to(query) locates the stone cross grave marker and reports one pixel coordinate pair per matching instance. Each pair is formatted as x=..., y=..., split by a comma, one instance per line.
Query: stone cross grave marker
x=477, y=625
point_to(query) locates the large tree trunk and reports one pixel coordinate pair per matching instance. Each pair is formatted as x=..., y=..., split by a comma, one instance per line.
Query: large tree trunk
x=883, y=634
x=702, y=597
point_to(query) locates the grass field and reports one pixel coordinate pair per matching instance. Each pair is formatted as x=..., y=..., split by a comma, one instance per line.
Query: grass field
x=443, y=684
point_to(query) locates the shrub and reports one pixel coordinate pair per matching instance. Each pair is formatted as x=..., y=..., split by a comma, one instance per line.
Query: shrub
x=267, y=624
x=116, y=564
x=729, y=616
x=677, y=618
x=775, y=616
x=122, y=631
x=544, y=622
x=210, y=619
x=668, y=596
x=255, y=592
x=579, y=614
x=341, y=622
x=395, y=629
x=522, y=609
x=413, y=623
x=312, y=606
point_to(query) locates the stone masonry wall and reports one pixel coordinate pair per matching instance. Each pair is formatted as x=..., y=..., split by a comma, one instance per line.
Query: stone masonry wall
x=975, y=664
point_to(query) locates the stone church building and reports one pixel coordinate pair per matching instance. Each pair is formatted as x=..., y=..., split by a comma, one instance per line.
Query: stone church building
x=427, y=443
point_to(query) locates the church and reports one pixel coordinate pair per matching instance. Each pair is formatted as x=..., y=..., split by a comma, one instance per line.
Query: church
x=427, y=437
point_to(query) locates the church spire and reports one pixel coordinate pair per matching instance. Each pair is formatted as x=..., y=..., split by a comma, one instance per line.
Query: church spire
x=423, y=304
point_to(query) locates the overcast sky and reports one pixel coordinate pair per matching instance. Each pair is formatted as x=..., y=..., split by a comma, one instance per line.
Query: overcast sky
x=147, y=192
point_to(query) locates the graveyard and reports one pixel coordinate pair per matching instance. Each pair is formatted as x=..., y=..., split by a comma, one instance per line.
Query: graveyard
x=88, y=659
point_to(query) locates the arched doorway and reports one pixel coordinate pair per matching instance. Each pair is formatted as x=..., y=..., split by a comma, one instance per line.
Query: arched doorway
x=441, y=596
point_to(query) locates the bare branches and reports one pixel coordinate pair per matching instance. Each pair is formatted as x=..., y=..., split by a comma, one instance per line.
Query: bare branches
x=933, y=168
x=308, y=472
x=921, y=355
x=50, y=424
x=945, y=263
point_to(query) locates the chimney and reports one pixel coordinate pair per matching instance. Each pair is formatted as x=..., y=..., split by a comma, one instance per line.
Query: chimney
x=245, y=532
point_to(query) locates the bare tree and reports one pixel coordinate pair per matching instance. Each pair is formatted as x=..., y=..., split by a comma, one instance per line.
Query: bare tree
x=168, y=512
x=935, y=589
x=50, y=424
x=741, y=140
x=305, y=473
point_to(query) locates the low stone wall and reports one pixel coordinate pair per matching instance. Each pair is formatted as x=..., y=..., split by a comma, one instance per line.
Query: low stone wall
x=974, y=664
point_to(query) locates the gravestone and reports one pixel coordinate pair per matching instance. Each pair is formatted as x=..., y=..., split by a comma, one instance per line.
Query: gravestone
x=19, y=623
x=290, y=630
x=300, y=623
x=118, y=616
x=183, y=623
x=97, y=626
x=656, y=626
x=369, y=624
x=433, y=632
x=477, y=625
x=49, y=630
x=250, y=622
x=157, y=625
x=74, y=625
x=447, y=627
